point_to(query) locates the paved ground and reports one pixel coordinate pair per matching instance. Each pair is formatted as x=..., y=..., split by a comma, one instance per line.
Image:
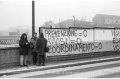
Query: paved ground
x=99, y=70
x=73, y=68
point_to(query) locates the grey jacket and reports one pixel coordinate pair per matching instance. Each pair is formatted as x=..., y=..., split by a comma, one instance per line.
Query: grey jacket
x=34, y=44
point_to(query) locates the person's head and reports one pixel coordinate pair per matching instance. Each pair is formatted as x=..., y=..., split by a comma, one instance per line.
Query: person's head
x=24, y=36
x=41, y=35
x=35, y=34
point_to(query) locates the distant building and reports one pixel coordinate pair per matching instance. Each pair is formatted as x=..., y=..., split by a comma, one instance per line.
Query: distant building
x=14, y=34
x=102, y=20
x=70, y=23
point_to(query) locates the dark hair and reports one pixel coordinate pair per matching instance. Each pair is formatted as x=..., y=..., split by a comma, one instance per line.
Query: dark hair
x=41, y=35
x=22, y=36
x=35, y=33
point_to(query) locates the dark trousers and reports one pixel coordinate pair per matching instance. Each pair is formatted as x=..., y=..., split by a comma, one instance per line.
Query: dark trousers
x=34, y=57
x=41, y=59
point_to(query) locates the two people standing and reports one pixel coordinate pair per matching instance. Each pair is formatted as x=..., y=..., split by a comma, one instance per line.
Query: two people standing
x=38, y=46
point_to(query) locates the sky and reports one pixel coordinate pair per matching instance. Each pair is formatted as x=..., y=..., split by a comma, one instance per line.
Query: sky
x=18, y=13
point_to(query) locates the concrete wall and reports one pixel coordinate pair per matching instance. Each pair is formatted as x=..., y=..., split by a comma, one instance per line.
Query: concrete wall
x=10, y=56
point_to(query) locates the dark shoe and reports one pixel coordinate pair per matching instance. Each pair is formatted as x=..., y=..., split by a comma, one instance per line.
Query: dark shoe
x=21, y=65
x=43, y=64
x=25, y=65
x=38, y=64
x=34, y=63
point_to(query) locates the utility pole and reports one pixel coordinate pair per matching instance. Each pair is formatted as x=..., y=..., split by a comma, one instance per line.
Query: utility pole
x=33, y=17
x=74, y=20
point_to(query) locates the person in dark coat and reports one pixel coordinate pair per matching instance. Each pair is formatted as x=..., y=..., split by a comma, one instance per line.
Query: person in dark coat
x=40, y=47
x=23, y=43
x=33, y=46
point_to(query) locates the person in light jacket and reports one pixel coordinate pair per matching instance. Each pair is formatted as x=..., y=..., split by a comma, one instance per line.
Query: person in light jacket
x=33, y=46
